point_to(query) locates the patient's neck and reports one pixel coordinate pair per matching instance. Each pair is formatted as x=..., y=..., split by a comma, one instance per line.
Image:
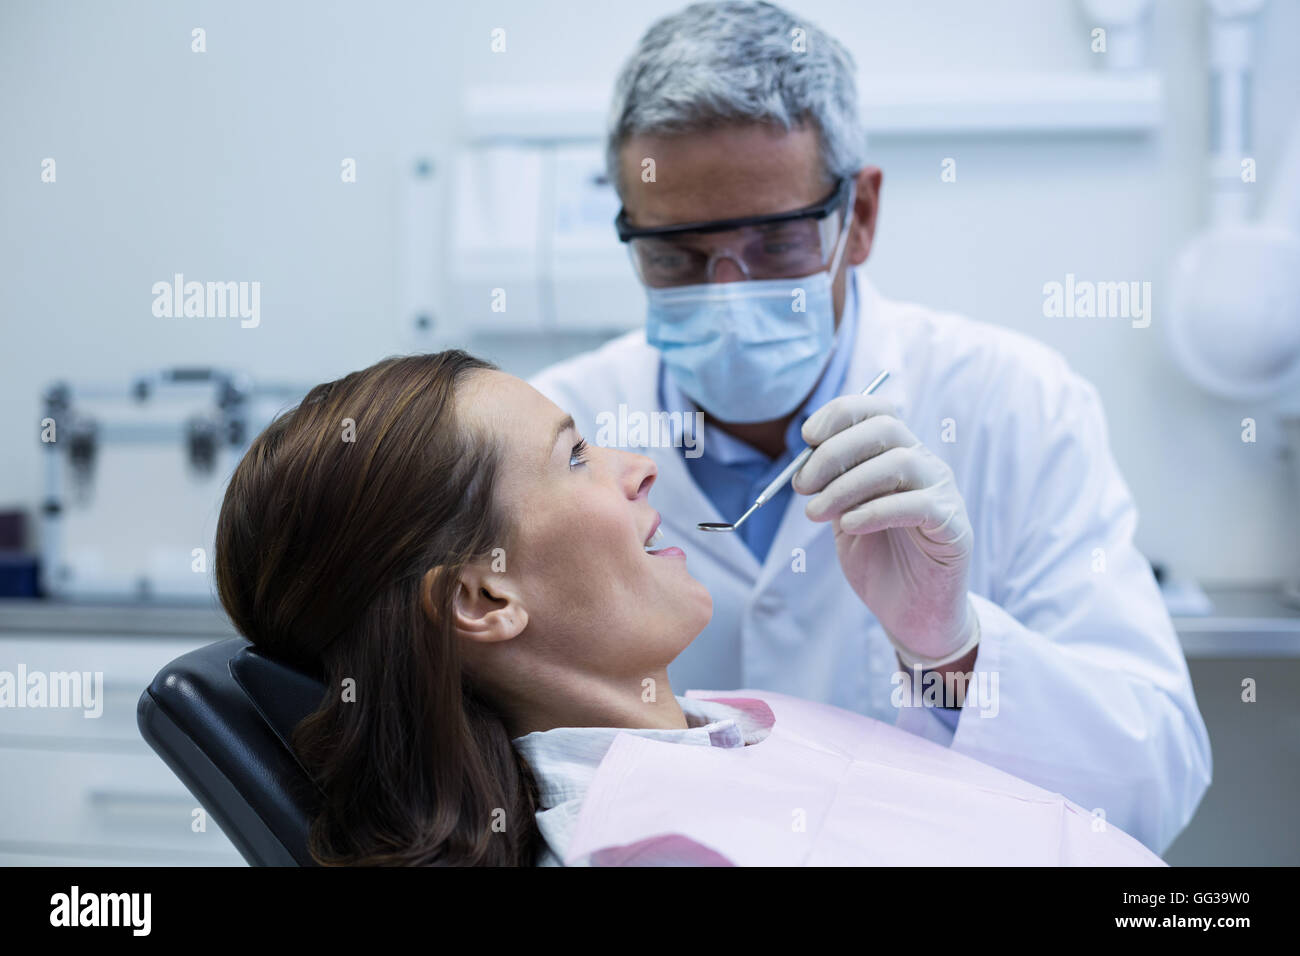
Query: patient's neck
x=571, y=699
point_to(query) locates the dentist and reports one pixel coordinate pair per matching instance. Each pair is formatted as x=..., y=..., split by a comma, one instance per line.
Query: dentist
x=967, y=521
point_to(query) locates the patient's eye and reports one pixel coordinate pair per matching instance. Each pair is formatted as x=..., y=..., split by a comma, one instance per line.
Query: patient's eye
x=578, y=456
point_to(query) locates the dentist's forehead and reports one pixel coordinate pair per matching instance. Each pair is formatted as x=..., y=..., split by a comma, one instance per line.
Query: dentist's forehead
x=724, y=173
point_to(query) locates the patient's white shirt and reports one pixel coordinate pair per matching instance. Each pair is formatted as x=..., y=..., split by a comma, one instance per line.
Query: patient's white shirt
x=565, y=759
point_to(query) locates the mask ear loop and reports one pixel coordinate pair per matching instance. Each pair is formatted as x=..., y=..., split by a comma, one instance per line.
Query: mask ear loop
x=840, y=245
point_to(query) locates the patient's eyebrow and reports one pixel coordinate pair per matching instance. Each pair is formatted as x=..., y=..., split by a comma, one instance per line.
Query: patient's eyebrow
x=560, y=429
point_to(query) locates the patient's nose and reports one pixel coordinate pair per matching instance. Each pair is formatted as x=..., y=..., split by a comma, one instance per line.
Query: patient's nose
x=639, y=474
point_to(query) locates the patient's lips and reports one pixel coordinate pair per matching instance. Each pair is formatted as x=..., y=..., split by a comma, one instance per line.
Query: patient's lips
x=662, y=552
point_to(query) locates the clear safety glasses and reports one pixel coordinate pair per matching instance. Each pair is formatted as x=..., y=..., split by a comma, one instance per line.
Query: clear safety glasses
x=778, y=246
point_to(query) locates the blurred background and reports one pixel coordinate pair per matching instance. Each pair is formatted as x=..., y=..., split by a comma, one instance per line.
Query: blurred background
x=370, y=172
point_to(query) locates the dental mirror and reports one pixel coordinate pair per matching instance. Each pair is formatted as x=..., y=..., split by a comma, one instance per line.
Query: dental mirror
x=779, y=482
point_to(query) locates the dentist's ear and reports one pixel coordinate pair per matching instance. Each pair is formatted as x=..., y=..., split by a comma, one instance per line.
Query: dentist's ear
x=485, y=607
x=866, y=206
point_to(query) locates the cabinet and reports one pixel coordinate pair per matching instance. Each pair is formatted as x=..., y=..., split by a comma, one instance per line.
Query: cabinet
x=87, y=790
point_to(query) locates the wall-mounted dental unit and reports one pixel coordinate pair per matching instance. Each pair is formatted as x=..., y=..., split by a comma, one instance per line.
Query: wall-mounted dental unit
x=1233, y=321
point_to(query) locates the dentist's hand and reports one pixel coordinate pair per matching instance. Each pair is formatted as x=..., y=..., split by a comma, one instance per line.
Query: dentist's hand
x=901, y=529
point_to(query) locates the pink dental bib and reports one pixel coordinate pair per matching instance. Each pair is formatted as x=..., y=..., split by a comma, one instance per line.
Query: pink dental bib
x=828, y=787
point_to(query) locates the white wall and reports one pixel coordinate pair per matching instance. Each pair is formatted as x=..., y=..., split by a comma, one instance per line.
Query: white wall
x=225, y=165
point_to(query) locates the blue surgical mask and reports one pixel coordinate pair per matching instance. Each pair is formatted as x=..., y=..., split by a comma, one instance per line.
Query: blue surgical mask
x=751, y=350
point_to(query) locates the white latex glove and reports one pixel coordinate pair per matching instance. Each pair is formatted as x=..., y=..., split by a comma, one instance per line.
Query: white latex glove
x=901, y=529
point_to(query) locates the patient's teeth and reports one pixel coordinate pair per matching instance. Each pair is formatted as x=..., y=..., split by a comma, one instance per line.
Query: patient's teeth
x=655, y=538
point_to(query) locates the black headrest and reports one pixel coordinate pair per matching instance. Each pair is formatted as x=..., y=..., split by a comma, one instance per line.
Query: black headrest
x=283, y=695
x=221, y=717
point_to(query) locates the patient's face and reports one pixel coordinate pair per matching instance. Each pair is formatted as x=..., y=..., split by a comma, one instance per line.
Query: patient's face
x=596, y=600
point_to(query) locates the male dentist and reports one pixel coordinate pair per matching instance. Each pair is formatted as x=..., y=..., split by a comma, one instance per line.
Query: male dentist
x=967, y=518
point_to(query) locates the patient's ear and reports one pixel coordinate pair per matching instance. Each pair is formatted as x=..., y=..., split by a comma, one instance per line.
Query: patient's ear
x=486, y=607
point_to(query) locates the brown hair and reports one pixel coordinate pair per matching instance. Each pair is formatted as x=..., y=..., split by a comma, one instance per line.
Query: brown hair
x=321, y=548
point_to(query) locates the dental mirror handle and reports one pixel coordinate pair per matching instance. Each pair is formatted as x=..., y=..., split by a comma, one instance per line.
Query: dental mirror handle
x=802, y=458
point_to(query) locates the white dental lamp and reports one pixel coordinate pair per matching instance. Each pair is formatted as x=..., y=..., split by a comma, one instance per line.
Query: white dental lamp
x=1233, y=322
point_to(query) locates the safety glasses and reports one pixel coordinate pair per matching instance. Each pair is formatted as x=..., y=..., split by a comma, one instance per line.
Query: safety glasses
x=781, y=245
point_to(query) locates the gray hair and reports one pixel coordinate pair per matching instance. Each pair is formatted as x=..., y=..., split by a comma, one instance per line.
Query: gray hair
x=737, y=62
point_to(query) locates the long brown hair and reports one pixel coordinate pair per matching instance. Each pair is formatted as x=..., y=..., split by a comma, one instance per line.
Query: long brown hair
x=328, y=526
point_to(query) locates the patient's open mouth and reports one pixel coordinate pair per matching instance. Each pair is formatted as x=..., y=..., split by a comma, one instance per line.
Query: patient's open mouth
x=655, y=537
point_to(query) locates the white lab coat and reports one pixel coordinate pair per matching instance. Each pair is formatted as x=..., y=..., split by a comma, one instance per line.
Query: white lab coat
x=1094, y=698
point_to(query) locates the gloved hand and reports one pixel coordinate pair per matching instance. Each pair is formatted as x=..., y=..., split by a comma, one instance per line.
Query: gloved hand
x=901, y=529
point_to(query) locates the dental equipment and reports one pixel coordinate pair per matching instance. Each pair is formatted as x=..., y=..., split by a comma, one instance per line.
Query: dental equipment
x=779, y=482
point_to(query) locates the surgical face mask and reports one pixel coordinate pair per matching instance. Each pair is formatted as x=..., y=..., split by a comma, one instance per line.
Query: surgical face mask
x=751, y=350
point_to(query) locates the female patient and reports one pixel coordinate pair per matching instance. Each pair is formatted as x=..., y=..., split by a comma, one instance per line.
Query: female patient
x=436, y=532
x=477, y=587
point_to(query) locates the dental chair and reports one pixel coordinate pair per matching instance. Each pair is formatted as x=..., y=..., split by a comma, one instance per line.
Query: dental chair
x=221, y=717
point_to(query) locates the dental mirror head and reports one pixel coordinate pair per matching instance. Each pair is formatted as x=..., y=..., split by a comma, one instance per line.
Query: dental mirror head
x=723, y=526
